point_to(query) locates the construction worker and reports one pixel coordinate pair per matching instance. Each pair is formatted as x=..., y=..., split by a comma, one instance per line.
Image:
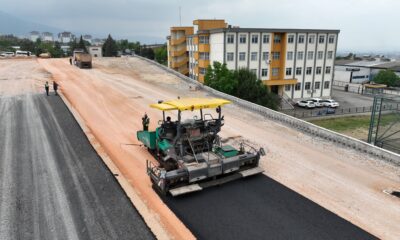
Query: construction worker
x=46, y=87
x=55, y=88
x=70, y=61
x=145, y=122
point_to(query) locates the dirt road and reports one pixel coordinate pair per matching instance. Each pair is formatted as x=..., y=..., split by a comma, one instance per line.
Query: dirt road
x=53, y=185
x=113, y=96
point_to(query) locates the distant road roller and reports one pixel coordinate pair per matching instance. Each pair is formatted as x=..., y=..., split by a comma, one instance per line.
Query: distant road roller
x=190, y=153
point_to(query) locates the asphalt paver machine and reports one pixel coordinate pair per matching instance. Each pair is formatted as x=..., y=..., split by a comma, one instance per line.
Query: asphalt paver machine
x=190, y=153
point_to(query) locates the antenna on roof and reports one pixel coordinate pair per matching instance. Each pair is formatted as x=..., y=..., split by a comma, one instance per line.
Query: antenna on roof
x=180, y=17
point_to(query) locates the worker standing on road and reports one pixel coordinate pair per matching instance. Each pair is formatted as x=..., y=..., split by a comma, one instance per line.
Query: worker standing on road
x=70, y=61
x=145, y=122
x=55, y=87
x=46, y=87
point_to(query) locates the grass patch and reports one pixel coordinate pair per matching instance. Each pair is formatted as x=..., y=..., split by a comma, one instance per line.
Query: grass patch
x=351, y=123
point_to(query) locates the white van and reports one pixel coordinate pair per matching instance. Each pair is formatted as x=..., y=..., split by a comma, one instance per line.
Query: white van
x=20, y=53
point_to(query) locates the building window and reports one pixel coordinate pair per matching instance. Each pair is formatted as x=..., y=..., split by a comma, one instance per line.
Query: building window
x=289, y=56
x=275, y=72
x=242, y=56
x=276, y=55
x=320, y=54
x=326, y=85
x=330, y=54
x=202, y=71
x=204, y=56
x=288, y=71
x=300, y=55
x=298, y=71
x=254, y=38
x=229, y=56
x=311, y=39
x=317, y=85
x=287, y=88
x=321, y=39
x=318, y=70
x=308, y=70
x=277, y=38
x=203, y=39
x=264, y=72
x=328, y=70
x=331, y=39
x=254, y=56
x=242, y=38
x=307, y=86
x=254, y=71
x=297, y=87
x=266, y=38
x=290, y=39
x=301, y=39
x=230, y=38
x=265, y=56
x=310, y=55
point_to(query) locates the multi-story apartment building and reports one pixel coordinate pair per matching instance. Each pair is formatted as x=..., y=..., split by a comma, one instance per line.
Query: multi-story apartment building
x=176, y=48
x=65, y=37
x=296, y=63
x=47, y=36
x=34, y=35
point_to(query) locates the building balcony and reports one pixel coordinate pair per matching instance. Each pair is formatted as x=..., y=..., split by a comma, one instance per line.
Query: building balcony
x=184, y=70
x=204, y=63
x=177, y=53
x=204, y=47
x=178, y=41
x=278, y=82
x=201, y=78
x=179, y=63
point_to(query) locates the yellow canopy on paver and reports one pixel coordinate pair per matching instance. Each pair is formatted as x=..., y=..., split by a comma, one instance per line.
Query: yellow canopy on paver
x=191, y=104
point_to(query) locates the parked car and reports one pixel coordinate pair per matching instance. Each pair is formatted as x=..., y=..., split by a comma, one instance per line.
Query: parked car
x=330, y=103
x=317, y=102
x=306, y=104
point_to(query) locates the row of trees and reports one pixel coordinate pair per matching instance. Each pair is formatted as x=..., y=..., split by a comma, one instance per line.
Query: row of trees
x=111, y=47
x=241, y=83
x=387, y=77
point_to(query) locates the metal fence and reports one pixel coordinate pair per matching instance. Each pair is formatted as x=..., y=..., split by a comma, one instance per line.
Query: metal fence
x=384, y=130
x=321, y=112
x=358, y=88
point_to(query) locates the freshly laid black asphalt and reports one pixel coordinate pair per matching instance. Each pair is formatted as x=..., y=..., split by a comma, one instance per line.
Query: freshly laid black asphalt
x=259, y=208
x=53, y=185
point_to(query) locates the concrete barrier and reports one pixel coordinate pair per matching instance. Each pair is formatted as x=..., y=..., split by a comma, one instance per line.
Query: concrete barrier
x=293, y=122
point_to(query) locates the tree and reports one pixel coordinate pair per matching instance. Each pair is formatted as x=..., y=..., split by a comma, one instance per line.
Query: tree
x=110, y=48
x=56, y=51
x=387, y=77
x=241, y=83
x=147, y=52
x=161, y=55
x=81, y=44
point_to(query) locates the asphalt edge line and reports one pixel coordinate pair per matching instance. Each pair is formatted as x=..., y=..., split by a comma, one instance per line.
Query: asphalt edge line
x=148, y=216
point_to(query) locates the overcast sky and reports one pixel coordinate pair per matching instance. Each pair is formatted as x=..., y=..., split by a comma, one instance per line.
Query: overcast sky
x=364, y=24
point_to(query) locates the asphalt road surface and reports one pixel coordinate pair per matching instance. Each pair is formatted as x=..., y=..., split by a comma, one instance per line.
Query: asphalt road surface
x=259, y=208
x=53, y=185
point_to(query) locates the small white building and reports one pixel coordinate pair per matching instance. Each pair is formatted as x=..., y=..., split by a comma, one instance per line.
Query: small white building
x=95, y=51
x=34, y=35
x=65, y=37
x=47, y=36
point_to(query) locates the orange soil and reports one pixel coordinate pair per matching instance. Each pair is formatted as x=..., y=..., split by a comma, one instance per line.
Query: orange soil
x=113, y=96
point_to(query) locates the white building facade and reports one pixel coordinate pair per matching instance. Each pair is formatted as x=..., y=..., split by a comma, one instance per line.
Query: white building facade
x=296, y=63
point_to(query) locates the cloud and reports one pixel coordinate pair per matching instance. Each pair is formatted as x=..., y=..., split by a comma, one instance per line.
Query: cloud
x=364, y=24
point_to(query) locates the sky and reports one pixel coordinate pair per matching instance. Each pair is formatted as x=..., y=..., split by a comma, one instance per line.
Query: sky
x=365, y=25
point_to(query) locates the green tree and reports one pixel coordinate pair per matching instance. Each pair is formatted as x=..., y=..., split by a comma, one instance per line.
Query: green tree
x=110, y=48
x=56, y=51
x=387, y=77
x=146, y=52
x=81, y=44
x=241, y=83
x=161, y=55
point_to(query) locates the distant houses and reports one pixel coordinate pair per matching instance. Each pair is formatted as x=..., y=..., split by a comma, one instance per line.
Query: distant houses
x=34, y=35
x=65, y=37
